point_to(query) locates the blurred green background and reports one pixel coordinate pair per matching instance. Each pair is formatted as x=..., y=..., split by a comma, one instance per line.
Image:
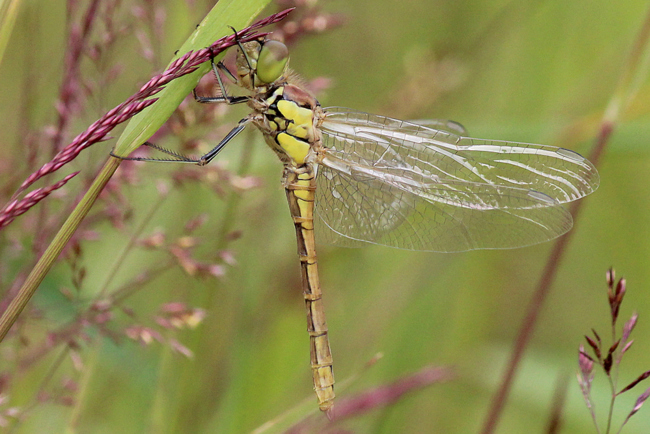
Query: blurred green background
x=540, y=72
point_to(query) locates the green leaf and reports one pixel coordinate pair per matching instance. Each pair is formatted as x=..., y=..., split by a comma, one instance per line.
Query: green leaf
x=8, y=14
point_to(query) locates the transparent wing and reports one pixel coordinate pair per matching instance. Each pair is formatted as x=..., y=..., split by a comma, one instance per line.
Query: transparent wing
x=452, y=127
x=404, y=185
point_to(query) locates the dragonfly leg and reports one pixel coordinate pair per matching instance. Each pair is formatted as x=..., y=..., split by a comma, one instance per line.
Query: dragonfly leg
x=224, y=97
x=244, y=52
x=209, y=156
x=176, y=157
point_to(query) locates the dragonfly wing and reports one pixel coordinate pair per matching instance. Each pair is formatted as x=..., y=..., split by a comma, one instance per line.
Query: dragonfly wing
x=358, y=204
x=403, y=185
x=559, y=173
x=452, y=127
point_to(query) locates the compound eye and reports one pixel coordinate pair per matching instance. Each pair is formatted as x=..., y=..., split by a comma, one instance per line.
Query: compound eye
x=272, y=61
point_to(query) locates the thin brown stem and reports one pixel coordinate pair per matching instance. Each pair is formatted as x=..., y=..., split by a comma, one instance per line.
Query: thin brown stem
x=539, y=297
x=621, y=98
x=559, y=397
x=528, y=325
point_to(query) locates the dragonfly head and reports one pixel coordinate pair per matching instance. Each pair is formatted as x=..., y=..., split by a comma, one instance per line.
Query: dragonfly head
x=262, y=62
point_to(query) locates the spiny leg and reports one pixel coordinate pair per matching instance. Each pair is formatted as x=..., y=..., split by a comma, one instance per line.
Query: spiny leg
x=208, y=156
x=180, y=158
x=223, y=98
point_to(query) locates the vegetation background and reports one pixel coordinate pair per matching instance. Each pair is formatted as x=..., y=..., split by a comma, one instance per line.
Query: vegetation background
x=540, y=72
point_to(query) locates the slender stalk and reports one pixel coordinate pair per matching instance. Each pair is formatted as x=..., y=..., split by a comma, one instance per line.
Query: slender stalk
x=235, y=197
x=529, y=323
x=8, y=13
x=610, y=414
x=56, y=246
x=90, y=367
x=172, y=91
x=121, y=257
x=45, y=382
x=164, y=394
x=559, y=399
x=635, y=68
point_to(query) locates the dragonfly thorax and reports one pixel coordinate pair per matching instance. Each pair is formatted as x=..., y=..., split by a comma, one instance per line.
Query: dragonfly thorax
x=289, y=117
x=287, y=114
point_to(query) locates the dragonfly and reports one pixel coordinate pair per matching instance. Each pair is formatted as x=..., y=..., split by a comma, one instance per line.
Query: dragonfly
x=353, y=178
